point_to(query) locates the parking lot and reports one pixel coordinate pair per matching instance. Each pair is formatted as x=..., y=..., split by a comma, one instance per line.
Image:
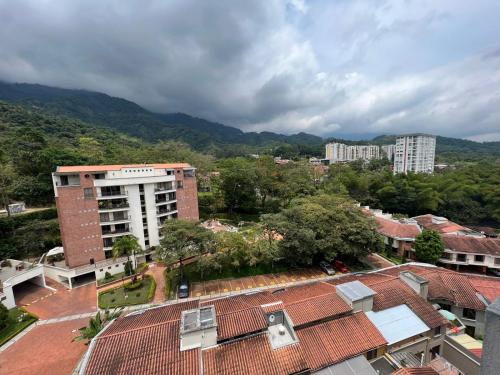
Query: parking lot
x=213, y=287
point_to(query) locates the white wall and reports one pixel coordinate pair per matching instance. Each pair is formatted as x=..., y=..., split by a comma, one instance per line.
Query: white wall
x=149, y=194
x=135, y=213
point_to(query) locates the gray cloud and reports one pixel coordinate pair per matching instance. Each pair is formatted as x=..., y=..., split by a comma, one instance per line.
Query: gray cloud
x=343, y=67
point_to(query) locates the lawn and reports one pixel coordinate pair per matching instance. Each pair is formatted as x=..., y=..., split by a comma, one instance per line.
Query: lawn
x=392, y=258
x=120, y=296
x=14, y=327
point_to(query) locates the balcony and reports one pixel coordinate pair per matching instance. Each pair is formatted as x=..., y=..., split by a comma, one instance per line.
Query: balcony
x=115, y=233
x=161, y=213
x=107, y=206
x=112, y=194
x=122, y=219
x=164, y=187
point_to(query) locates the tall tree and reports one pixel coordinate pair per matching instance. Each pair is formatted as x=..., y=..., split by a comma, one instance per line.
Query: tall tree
x=182, y=239
x=429, y=246
x=127, y=246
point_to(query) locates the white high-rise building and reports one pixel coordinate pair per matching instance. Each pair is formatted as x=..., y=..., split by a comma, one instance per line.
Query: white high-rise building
x=339, y=152
x=389, y=151
x=415, y=153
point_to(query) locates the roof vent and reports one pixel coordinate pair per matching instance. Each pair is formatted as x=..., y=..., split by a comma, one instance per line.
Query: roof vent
x=357, y=295
x=417, y=283
x=198, y=328
x=439, y=220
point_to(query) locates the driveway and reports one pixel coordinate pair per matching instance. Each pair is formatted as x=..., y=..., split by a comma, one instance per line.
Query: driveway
x=47, y=304
x=213, y=287
x=45, y=350
x=157, y=272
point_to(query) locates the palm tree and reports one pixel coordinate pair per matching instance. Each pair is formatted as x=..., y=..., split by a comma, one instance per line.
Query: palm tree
x=96, y=324
x=127, y=245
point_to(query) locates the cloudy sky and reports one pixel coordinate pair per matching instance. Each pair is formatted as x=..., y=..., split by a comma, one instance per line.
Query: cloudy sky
x=327, y=67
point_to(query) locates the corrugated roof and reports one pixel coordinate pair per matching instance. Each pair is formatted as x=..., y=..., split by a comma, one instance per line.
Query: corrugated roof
x=116, y=167
x=397, y=323
x=355, y=366
x=355, y=290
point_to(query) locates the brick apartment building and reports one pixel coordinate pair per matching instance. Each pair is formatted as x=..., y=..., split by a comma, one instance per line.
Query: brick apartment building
x=98, y=204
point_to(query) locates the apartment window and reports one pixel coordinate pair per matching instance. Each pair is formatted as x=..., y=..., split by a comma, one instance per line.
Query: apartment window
x=189, y=173
x=179, y=185
x=109, y=267
x=479, y=258
x=64, y=180
x=437, y=331
x=88, y=193
x=371, y=354
x=469, y=314
x=99, y=176
x=446, y=256
x=497, y=260
x=470, y=330
x=461, y=257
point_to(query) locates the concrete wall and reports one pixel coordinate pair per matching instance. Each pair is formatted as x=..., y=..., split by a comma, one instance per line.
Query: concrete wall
x=460, y=357
x=489, y=260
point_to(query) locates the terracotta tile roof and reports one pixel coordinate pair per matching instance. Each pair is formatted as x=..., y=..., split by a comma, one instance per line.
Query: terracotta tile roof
x=469, y=244
x=445, y=284
x=489, y=287
x=241, y=322
x=446, y=227
x=150, y=317
x=395, y=229
x=253, y=356
x=316, y=308
x=116, y=167
x=337, y=340
x=301, y=292
x=395, y=292
x=273, y=307
x=148, y=350
x=416, y=371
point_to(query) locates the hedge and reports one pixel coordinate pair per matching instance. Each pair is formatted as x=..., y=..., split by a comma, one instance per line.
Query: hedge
x=20, y=327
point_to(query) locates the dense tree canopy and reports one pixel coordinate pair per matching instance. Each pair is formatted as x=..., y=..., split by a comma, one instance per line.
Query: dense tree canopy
x=429, y=246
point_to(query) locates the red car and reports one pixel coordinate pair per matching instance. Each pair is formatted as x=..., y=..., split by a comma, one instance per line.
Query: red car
x=340, y=266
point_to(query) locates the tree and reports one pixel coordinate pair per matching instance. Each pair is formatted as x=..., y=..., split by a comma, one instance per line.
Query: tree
x=127, y=246
x=182, y=239
x=238, y=184
x=4, y=316
x=7, y=177
x=428, y=246
x=96, y=324
x=322, y=227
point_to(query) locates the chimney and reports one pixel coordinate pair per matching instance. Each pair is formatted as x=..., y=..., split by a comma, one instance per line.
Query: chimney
x=417, y=283
x=490, y=362
x=198, y=328
x=357, y=295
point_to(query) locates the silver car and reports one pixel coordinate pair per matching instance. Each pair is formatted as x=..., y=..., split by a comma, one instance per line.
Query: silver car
x=327, y=268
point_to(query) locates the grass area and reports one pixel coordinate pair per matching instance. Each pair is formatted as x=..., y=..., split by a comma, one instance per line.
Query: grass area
x=120, y=296
x=15, y=326
x=391, y=258
x=192, y=275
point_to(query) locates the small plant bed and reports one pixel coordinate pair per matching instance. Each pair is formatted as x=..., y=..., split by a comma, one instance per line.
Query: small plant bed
x=18, y=320
x=132, y=293
x=110, y=278
x=391, y=258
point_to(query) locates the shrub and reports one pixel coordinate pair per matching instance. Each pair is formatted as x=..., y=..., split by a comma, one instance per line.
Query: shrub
x=107, y=276
x=151, y=291
x=4, y=316
x=128, y=269
x=112, y=291
x=113, y=300
x=138, y=295
x=133, y=286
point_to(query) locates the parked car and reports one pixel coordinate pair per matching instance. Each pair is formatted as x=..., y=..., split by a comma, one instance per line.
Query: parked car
x=495, y=271
x=327, y=268
x=340, y=266
x=183, y=289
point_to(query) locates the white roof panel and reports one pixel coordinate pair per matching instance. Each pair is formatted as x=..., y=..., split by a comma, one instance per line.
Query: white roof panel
x=355, y=290
x=397, y=323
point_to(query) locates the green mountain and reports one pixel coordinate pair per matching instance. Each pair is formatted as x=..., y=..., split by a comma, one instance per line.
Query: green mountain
x=127, y=117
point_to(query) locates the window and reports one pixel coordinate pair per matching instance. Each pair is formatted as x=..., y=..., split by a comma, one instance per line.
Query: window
x=435, y=351
x=88, y=193
x=445, y=307
x=64, y=180
x=470, y=330
x=99, y=176
x=371, y=354
x=479, y=258
x=437, y=331
x=446, y=256
x=189, y=173
x=469, y=314
x=497, y=260
x=179, y=185
x=461, y=257
x=109, y=267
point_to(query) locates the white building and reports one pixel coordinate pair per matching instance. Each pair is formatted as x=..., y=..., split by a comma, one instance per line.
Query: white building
x=415, y=153
x=339, y=152
x=389, y=151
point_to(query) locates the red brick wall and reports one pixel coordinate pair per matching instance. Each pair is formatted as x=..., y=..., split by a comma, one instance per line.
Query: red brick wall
x=187, y=197
x=79, y=223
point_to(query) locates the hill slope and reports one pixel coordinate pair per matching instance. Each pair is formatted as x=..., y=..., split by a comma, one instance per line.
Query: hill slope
x=130, y=118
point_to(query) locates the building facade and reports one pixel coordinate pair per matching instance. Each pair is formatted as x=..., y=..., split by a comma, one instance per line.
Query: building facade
x=415, y=153
x=98, y=204
x=389, y=151
x=339, y=152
